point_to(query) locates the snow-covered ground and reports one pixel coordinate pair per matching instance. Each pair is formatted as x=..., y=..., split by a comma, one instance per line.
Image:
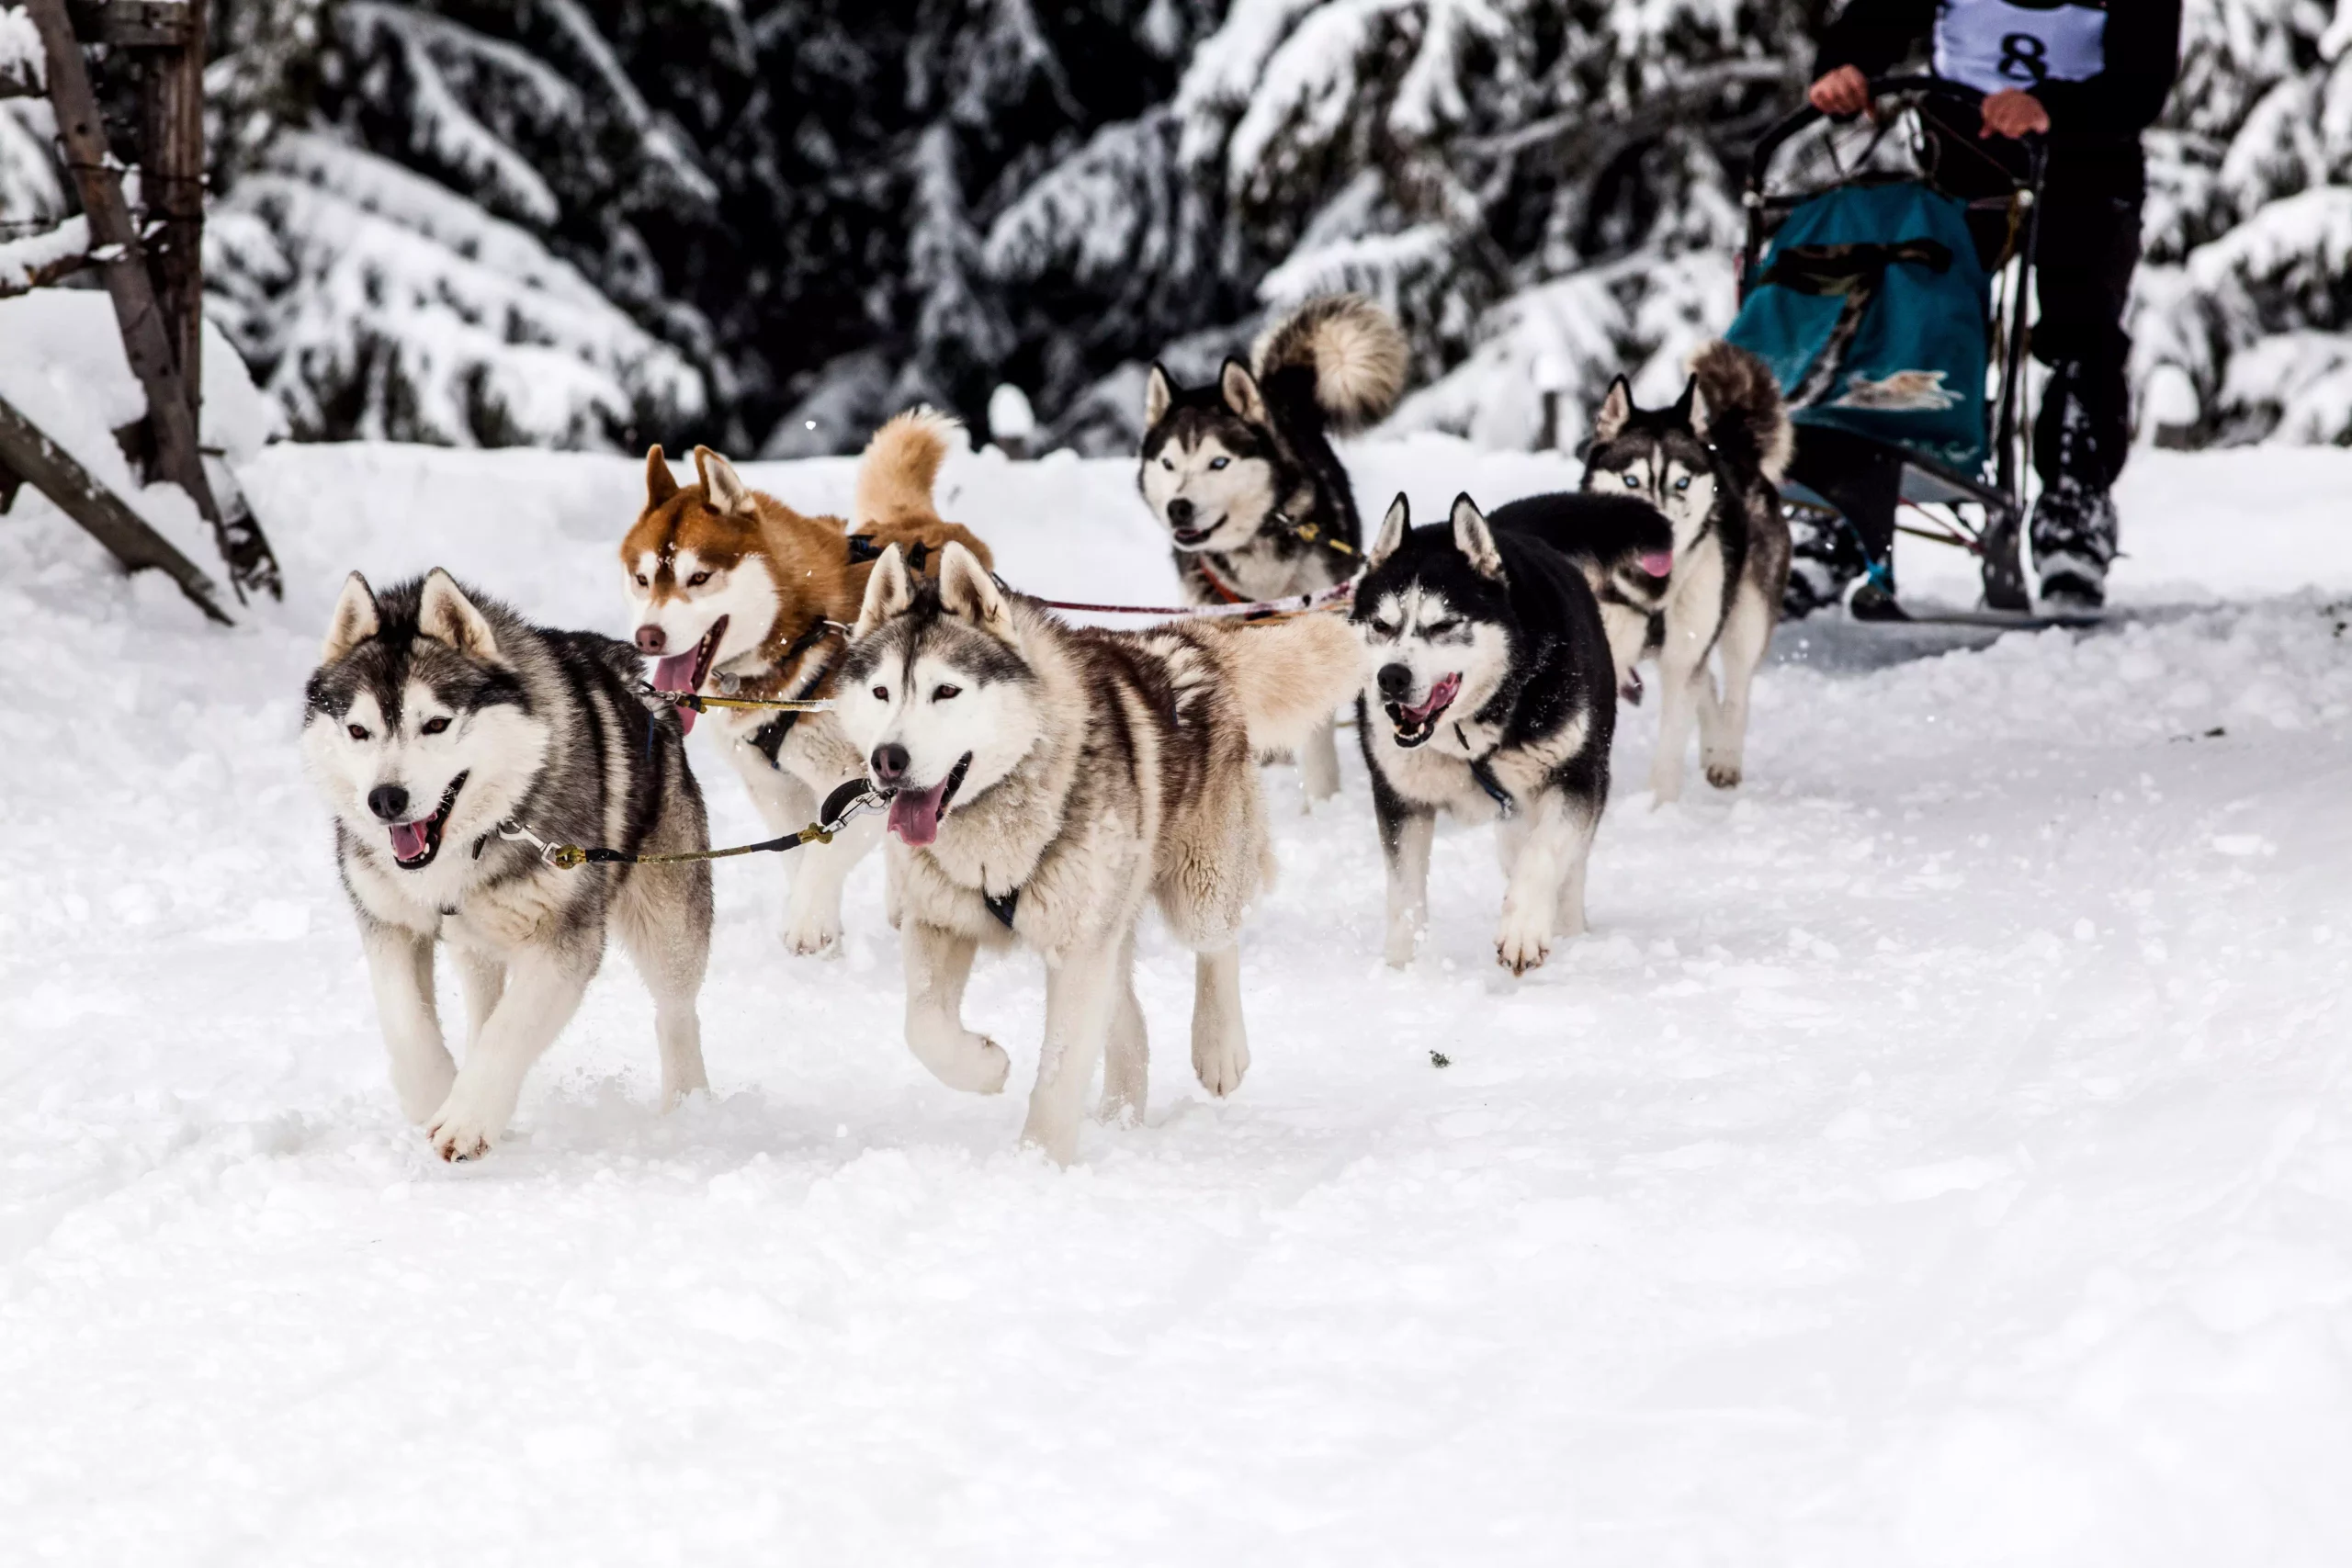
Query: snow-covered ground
x=1940, y=1153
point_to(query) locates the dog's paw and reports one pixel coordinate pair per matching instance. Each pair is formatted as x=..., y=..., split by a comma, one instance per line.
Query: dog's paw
x=1666, y=787
x=1523, y=943
x=465, y=1127
x=1724, y=776
x=1221, y=1066
x=973, y=1062
x=812, y=936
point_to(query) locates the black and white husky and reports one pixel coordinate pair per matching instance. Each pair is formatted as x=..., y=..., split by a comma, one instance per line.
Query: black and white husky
x=1242, y=472
x=1048, y=782
x=1711, y=463
x=1488, y=693
x=437, y=714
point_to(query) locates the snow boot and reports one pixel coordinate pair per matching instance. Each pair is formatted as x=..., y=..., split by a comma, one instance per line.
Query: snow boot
x=2074, y=540
x=1824, y=558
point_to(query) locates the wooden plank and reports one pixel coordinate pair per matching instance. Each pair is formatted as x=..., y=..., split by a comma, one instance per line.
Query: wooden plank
x=135, y=24
x=146, y=338
x=51, y=469
x=171, y=187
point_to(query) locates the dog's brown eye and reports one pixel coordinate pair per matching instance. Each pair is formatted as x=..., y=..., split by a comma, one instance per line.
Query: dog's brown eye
x=945, y=691
x=358, y=732
x=1167, y=462
x=642, y=582
x=881, y=694
x=698, y=579
x=436, y=726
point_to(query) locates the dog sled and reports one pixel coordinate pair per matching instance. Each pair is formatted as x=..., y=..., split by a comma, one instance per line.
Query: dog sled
x=1890, y=303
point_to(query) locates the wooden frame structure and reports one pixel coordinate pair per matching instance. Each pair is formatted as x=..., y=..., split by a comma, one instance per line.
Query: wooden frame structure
x=153, y=267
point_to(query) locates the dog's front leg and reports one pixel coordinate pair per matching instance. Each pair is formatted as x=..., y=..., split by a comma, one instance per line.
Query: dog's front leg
x=1748, y=632
x=938, y=962
x=1681, y=665
x=483, y=976
x=1547, y=878
x=1081, y=990
x=812, y=918
x=543, y=990
x=1405, y=835
x=1318, y=762
x=399, y=967
x=1220, y=1041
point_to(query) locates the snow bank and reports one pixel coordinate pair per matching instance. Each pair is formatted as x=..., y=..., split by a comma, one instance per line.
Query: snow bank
x=1937, y=1154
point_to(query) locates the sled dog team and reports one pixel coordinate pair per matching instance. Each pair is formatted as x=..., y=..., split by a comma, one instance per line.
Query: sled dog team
x=1045, y=781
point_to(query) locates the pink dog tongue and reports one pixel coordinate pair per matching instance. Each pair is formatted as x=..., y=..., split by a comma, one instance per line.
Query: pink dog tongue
x=408, y=840
x=1440, y=695
x=914, y=814
x=676, y=674
x=1658, y=563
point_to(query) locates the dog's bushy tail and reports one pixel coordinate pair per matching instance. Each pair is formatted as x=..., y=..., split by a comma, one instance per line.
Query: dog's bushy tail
x=1342, y=353
x=895, y=476
x=1744, y=414
x=1291, y=674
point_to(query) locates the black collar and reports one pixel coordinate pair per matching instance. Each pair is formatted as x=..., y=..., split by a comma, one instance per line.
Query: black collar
x=1003, y=906
x=1483, y=774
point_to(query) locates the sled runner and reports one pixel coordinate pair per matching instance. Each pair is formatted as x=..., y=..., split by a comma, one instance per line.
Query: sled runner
x=1893, y=313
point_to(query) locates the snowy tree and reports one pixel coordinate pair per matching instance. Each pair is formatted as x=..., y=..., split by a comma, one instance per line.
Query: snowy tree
x=1480, y=166
x=2243, y=316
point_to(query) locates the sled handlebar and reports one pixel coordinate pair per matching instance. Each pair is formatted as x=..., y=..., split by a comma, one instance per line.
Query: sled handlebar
x=1933, y=89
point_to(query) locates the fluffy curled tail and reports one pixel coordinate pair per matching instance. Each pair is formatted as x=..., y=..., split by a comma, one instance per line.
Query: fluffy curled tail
x=895, y=476
x=1290, y=674
x=1745, y=413
x=1346, y=349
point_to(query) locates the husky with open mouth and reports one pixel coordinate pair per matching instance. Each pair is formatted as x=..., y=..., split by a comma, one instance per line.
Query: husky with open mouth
x=1242, y=472
x=1047, y=781
x=733, y=593
x=1488, y=693
x=435, y=716
x=1711, y=463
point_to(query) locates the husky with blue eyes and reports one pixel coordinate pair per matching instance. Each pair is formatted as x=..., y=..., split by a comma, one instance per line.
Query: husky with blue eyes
x=1711, y=463
x=1489, y=694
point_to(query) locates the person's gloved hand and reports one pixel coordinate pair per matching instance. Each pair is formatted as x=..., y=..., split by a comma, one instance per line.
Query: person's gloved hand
x=1843, y=93
x=2010, y=113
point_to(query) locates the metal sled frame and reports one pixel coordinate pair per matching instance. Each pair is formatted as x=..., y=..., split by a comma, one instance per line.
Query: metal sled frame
x=1997, y=541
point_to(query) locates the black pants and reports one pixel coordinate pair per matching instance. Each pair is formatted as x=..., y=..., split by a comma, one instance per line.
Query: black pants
x=2087, y=251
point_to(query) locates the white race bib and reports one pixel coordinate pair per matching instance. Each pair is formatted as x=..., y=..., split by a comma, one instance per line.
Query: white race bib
x=1995, y=44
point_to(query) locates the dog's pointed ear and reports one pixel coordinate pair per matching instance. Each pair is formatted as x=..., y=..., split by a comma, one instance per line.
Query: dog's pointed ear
x=446, y=614
x=1475, y=539
x=966, y=589
x=1616, y=409
x=1158, y=392
x=888, y=592
x=1242, y=393
x=1392, y=532
x=723, y=485
x=1688, y=401
x=1695, y=397
x=660, y=483
x=354, y=622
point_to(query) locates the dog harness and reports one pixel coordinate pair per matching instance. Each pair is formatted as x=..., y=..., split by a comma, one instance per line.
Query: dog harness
x=768, y=739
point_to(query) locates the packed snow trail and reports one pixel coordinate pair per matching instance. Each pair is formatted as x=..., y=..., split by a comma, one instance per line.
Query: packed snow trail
x=1939, y=1153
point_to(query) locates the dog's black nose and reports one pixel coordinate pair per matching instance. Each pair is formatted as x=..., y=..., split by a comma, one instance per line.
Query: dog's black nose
x=652, y=639
x=1395, y=683
x=890, y=763
x=388, y=801
x=1180, y=512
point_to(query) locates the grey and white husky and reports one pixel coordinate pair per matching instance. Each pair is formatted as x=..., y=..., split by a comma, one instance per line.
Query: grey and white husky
x=437, y=714
x=1047, y=781
x=1255, y=503
x=1488, y=693
x=1711, y=463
